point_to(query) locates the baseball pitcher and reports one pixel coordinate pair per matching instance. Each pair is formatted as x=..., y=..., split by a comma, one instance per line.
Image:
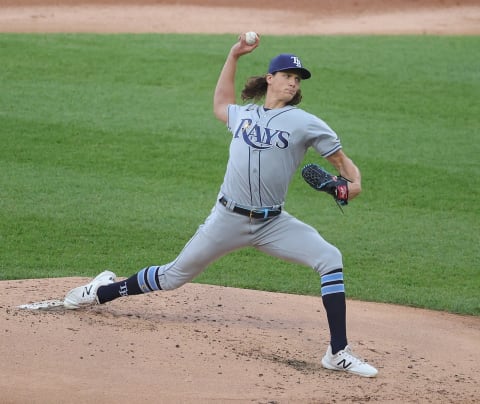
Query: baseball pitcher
x=270, y=135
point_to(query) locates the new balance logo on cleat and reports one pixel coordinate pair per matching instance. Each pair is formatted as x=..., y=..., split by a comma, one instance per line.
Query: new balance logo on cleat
x=87, y=290
x=343, y=363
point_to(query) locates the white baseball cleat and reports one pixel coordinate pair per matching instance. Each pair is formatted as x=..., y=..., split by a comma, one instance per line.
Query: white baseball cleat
x=346, y=361
x=86, y=295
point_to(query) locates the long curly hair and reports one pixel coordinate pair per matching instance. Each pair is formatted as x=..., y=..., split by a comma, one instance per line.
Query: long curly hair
x=256, y=88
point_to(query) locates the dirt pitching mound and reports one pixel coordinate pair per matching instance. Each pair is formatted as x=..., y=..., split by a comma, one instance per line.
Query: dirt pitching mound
x=204, y=344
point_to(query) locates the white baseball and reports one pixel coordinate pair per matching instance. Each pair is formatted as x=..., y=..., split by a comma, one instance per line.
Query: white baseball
x=251, y=37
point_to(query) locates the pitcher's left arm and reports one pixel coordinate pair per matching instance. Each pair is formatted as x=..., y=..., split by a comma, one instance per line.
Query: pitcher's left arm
x=347, y=169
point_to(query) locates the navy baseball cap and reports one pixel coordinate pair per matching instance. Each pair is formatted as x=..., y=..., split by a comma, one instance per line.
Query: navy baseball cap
x=287, y=61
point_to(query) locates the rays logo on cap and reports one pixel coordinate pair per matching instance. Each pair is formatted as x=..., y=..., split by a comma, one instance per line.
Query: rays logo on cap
x=288, y=61
x=296, y=61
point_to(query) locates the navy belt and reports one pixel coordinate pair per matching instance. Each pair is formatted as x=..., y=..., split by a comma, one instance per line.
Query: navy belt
x=258, y=213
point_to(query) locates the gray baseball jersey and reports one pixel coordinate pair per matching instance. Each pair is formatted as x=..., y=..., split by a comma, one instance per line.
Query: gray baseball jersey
x=266, y=149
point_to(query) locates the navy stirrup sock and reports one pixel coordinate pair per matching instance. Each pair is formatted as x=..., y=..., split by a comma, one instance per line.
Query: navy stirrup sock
x=144, y=281
x=333, y=297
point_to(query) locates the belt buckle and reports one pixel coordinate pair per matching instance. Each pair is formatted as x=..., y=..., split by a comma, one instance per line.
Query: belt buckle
x=264, y=211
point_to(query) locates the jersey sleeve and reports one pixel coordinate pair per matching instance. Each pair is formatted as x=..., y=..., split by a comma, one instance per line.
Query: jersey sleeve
x=232, y=115
x=322, y=137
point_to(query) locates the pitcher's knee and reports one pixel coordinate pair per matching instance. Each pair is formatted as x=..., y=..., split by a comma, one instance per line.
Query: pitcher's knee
x=172, y=276
x=329, y=260
x=171, y=282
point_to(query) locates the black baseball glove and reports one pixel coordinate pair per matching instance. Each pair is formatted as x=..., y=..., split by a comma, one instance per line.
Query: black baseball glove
x=321, y=180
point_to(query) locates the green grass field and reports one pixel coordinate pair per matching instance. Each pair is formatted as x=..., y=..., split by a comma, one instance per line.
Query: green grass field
x=111, y=157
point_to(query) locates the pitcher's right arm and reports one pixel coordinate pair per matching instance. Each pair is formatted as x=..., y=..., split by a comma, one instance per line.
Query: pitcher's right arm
x=225, y=90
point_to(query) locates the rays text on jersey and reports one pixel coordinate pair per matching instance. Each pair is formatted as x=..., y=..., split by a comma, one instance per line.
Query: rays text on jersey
x=259, y=137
